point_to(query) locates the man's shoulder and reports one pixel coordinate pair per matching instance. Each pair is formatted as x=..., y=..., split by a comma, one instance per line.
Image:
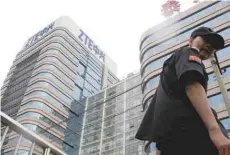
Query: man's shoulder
x=185, y=51
x=181, y=51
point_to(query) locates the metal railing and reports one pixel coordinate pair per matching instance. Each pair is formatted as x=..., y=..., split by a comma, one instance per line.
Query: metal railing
x=9, y=124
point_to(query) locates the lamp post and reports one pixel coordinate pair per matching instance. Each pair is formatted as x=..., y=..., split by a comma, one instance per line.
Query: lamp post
x=218, y=74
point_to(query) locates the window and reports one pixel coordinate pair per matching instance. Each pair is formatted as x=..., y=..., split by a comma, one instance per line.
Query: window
x=8, y=153
x=223, y=52
x=94, y=73
x=77, y=93
x=93, y=81
x=90, y=87
x=182, y=22
x=79, y=81
x=57, y=71
x=226, y=71
x=70, y=60
x=43, y=132
x=22, y=152
x=151, y=82
x=42, y=118
x=155, y=63
x=86, y=93
x=54, y=79
x=226, y=123
x=216, y=99
x=211, y=77
x=81, y=69
x=181, y=37
x=50, y=99
x=43, y=107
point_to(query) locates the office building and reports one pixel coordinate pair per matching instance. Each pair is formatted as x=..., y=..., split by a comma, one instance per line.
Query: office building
x=112, y=119
x=49, y=81
x=158, y=43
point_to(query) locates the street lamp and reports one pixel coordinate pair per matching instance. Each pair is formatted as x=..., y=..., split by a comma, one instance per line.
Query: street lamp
x=218, y=74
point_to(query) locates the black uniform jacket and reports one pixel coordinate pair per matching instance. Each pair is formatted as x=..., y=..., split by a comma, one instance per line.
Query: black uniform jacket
x=170, y=103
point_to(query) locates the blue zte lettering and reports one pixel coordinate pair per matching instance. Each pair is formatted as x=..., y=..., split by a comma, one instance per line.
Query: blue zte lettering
x=90, y=44
x=40, y=34
x=81, y=35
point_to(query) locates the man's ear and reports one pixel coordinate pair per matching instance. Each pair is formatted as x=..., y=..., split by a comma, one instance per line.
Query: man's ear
x=190, y=41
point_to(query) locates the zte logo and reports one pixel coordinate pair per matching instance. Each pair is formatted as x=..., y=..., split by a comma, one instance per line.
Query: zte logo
x=90, y=44
x=39, y=34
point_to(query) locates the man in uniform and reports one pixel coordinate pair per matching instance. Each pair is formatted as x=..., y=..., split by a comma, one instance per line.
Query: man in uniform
x=179, y=118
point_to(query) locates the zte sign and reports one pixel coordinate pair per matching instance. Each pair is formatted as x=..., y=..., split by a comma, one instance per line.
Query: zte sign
x=90, y=44
x=40, y=34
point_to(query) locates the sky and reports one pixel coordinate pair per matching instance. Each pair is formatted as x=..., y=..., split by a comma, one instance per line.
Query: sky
x=115, y=25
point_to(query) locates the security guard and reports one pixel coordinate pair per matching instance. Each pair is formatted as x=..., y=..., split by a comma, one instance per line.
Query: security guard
x=179, y=118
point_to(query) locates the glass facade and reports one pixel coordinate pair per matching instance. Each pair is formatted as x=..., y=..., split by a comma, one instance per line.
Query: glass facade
x=112, y=119
x=211, y=22
x=56, y=83
x=159, y=62
x=152, y=81
x=48, y=85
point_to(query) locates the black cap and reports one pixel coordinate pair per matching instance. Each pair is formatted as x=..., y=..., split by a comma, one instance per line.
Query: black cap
x=216, y=40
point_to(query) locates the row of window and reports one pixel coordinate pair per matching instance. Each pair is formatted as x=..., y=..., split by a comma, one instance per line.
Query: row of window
x=61, y=94
x=159, y=62
x=92, y=149
x=95, y=61
x=69, y=53
x=20, y=79
x=152, y=81
x=24, y=71
x=91, y=138
x=181, y=37
x=94, y=80
x=62, y=65
x=134, y=101
x=27, y=62
x=225, y=51
x=69, y=79
x=111, y=144
x=90, y=87
x=210, y=23
x=42, y=118
x=92, y=128
x=17, y=87
x=13, y=96
x=50, y=99
x=96, y=69
x=56, y=103
x=94, y=74
x=43, y=107
x=211, y=76
x=64, y=57
x=55, y=79
x=92, y=118
x=11, y=103
x=226, y=123
x=183, y=22
x=156, y=63
x=50, y=136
